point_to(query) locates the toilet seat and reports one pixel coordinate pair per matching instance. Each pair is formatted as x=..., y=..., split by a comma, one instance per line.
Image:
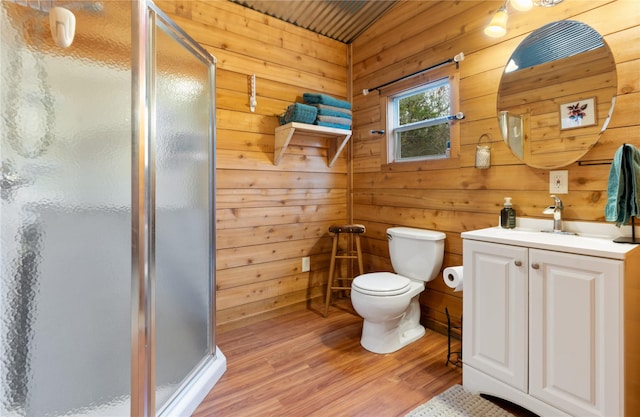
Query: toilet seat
x=381, y=284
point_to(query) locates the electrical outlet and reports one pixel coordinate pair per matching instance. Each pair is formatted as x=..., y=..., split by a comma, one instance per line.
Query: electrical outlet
x=306, y=264
x=559, y=182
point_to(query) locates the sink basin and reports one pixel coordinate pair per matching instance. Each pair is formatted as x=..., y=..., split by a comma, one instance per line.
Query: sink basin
x=596, y=243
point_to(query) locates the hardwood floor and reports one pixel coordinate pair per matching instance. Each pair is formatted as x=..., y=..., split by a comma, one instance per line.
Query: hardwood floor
x=302, y=364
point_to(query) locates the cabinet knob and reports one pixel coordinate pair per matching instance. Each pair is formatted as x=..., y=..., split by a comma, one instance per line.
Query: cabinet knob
x=517, y=263
x=535, y=266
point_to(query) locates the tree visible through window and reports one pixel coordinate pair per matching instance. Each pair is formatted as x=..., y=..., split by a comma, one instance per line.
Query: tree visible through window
x=420, y=122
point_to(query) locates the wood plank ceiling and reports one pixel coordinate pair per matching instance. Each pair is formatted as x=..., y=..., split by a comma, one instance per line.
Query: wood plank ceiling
x=342, y=20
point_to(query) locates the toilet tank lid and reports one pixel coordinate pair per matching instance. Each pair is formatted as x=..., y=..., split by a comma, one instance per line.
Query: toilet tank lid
x=412, y=233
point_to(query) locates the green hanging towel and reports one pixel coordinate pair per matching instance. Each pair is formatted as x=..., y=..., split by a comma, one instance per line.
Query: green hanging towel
x=623, y=199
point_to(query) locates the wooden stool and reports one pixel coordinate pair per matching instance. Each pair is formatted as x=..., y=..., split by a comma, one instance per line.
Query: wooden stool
x=354, y=230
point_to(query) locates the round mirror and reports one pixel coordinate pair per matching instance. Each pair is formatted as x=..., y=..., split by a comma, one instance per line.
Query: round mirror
x=557, y=94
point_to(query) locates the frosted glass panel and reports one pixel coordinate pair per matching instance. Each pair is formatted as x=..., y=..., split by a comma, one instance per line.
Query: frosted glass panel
x=183, y=315
x=65, y=223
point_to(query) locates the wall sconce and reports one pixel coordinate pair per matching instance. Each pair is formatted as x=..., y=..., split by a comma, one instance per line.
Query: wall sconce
x=483, y=152
x=522, y=5
x=497, y=28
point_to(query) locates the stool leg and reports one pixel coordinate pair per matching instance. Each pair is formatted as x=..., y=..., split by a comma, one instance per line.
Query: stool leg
x=332, y=267
x=359, y=253
x=354, y=240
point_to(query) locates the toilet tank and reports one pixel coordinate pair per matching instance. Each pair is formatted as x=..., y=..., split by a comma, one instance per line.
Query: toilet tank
x=416, y=253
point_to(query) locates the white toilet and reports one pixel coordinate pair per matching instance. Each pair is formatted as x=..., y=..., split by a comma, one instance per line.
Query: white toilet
x=388, y=302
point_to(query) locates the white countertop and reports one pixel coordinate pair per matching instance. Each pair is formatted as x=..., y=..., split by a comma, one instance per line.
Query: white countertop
x=593, y=239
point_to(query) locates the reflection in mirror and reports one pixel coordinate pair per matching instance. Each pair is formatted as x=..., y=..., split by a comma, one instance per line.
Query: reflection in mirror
x=556, y=94
x=512, y=130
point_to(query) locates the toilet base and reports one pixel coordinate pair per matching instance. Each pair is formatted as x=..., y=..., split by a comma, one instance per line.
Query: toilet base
x=387, y=337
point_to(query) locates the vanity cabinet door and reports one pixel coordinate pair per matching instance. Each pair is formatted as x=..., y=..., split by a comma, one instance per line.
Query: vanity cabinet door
x=495, y=311
x=575, y=312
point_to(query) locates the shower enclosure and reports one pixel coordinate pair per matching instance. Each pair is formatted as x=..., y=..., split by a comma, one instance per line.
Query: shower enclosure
x=107, y=304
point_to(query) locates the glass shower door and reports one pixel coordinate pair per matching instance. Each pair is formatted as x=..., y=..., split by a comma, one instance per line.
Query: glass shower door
x=65, y=214
x=183, y=133
x=70, y=235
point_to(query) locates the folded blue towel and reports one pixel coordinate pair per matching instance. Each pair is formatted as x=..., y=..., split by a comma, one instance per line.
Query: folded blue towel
x=325, y=110
x=623, y=199
x=298, y=112
x=332, y=113
x=327, y=124
x=311, y=98
x=335, y=120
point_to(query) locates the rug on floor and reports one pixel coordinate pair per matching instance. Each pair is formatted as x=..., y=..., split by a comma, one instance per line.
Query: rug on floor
x=457, y=402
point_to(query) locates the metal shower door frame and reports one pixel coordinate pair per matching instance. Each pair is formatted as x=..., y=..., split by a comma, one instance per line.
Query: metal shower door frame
x=144, y=18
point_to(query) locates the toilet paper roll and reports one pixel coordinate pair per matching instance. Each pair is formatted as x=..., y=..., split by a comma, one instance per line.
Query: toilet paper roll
x=453, y=277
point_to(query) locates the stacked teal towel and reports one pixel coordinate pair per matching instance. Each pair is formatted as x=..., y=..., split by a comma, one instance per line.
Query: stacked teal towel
x=325, y=110
x=312, y=98
x=623, y=199
x=332, y=112
x=298, y=112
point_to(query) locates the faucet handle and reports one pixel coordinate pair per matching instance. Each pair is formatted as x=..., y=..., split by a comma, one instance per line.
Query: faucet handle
x=557, y=201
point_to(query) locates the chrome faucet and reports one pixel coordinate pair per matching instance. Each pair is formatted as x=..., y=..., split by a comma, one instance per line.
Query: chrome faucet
x=556, y=210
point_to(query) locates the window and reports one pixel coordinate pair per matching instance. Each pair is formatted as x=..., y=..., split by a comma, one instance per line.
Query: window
x=418, y=118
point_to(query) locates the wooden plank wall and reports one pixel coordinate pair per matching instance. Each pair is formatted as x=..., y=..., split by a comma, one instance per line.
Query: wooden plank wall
x=417, y=34
x=268, y=217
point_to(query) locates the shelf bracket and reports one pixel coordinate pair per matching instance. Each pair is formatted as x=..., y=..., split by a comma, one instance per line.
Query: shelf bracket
x=338, y=139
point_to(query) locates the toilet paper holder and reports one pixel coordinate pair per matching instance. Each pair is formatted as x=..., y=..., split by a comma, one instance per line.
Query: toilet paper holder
x=454, y=277
x=453, y=357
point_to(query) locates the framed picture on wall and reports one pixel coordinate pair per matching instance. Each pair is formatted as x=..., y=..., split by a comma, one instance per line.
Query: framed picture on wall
x=579, y=113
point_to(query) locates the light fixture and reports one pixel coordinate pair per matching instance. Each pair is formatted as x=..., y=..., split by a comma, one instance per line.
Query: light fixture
x=547, y=3
x=522, y=5
x=511, y=66
x=498, y=25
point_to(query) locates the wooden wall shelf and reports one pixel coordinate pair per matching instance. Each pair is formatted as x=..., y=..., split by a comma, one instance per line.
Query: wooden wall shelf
x=338, y=139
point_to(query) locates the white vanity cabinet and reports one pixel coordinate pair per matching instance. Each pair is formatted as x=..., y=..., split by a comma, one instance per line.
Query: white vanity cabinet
x=575, y=332
x=544, y=321
x=495, y=312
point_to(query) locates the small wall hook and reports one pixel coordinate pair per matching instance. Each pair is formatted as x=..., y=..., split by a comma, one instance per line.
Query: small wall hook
x=252, y=99
x=62, y=23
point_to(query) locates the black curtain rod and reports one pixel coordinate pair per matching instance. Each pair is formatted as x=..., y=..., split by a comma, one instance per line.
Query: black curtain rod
x=456, y=59
x=457, y=116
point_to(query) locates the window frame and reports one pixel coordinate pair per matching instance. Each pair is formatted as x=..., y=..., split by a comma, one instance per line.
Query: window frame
x=386, y=107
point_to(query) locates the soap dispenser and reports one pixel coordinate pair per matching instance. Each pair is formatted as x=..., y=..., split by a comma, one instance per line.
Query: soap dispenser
x=508, y=215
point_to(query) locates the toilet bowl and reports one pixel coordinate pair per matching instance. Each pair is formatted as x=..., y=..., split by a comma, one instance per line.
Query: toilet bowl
x=388, y=302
